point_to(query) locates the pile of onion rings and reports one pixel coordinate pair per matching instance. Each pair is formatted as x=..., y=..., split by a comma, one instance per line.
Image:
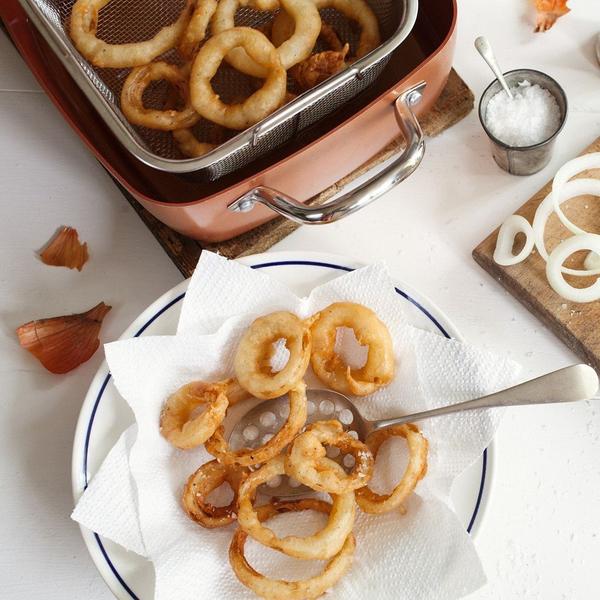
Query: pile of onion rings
x=563, y=188
x=297, y=450
x=205, y=36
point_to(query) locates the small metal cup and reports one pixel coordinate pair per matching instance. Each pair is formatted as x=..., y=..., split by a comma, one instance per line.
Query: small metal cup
x=523, y=160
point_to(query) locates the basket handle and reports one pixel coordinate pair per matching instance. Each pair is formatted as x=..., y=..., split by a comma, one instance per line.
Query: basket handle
x=404, y=163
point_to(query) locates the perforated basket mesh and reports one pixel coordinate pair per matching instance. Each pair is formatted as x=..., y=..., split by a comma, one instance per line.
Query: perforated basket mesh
x=122, y=21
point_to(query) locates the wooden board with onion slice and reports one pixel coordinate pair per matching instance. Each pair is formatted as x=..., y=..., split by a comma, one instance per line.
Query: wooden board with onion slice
x=577, y=325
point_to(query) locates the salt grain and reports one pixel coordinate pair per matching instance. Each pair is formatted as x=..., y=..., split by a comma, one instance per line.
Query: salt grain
x=531, y=116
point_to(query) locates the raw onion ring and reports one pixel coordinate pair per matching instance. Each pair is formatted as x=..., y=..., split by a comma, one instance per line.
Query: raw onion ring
x=503, y=254
x=184, y=430
x=276, y=589
x=132, y=103
x=568, y=170
x=373, y=503
x=569, y=190
x=84, y=25
x=252, y=358
x=369, y=330
x=304, y=460
x=219, y=448
x=322, y=545
x=362, y=13
x=195, y=32
x=256, y=107
x=291, y=51
x=592, y=262
x=201, y=483
x=582, y=241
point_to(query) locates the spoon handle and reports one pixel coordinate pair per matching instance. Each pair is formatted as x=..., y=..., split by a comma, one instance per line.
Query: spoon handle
x=485, y=49
x=577, y=382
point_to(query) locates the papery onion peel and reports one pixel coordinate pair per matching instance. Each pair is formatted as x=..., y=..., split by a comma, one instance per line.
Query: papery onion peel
x=65, y=250
x=63, y=343
x=547, y=12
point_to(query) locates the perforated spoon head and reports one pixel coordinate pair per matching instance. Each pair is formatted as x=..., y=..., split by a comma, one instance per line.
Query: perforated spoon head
x=263, y=421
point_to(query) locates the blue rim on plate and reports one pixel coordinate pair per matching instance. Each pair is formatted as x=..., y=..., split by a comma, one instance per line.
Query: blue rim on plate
x=180, y=297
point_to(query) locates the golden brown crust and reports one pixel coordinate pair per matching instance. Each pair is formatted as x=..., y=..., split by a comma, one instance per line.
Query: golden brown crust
x=304, y=460
x=276, y=589
x=373, y=503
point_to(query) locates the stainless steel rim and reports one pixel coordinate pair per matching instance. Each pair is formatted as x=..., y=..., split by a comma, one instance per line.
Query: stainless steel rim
x=65, y=51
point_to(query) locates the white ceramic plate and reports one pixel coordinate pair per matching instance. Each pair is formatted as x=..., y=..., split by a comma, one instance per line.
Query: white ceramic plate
x=105, y=415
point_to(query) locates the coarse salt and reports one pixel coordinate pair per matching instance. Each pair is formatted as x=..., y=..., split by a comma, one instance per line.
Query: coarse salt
x=531, y=116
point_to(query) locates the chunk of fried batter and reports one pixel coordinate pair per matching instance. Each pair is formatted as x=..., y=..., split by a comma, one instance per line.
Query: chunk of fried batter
x=548, y=11
x=319, y=67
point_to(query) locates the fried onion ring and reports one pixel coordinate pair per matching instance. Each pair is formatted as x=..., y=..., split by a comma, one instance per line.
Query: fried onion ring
x=189, y=145
x=322, y=545
x=304, y=460
x=276, y=589
x=362, y=13
x=375, y=504
x=179, y=425
x=283, y=25
x=132, y=94
x=219, y=448
x=252, y=358
x=261, y=103
x=84, y=25
x=306, y=24
x=201, y=483
x=195, y=32
x=369, y=330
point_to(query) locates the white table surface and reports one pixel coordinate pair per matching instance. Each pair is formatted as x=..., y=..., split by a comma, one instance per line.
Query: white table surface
x=541, y=535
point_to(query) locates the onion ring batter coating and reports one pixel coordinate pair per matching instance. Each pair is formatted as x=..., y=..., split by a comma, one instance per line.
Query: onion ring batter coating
x=189, y=145
x=219, y=448
x=361, y=12
x=132, y=94
x=195, y=32
x=201, y=483
x=324, y=544
x=256, y=107
x=306, y=24
x=369, y=330
x=304, y=460
x=181, y=428
x=375, y=504
x=84, y=25
x=283, y=27
x=252, y=358
x=276, y=589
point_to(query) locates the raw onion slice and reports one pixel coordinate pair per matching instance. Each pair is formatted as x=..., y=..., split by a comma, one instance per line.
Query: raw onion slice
x=583, y=241
x=568, y=170
x=568, y=190
x=592, y=261
x=514, y=225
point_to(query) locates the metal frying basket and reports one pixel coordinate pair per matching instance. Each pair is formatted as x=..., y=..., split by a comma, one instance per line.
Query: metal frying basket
x=155, y=148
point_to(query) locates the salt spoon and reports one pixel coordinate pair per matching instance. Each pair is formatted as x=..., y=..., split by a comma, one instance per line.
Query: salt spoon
x=485, y=49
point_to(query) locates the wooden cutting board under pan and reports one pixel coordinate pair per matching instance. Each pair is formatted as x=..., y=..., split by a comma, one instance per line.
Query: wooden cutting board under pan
x=577, y=325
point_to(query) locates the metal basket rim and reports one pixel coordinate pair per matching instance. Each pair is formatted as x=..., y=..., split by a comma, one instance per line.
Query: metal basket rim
x=66, y=53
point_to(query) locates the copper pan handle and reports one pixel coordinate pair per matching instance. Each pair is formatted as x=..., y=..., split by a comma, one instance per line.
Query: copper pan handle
x=403, y=164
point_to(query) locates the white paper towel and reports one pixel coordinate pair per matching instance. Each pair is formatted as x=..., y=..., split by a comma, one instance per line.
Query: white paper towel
x=425, y=554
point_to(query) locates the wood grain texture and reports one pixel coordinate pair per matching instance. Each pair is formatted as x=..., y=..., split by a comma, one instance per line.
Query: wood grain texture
x=577, y=325
x=454, y=103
